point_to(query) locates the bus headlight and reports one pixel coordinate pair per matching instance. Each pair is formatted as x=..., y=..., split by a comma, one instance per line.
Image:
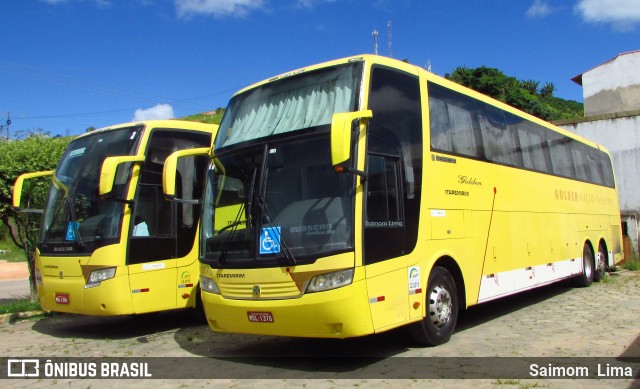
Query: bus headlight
x=330, y=281
x=100, y=275
x=209, y=285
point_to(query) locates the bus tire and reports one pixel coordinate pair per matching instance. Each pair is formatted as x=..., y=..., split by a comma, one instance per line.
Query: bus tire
x=586, y=277
x=442, y=310
x=601, y=264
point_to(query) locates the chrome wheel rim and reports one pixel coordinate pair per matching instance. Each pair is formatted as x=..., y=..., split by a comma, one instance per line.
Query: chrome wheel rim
x=440, y=306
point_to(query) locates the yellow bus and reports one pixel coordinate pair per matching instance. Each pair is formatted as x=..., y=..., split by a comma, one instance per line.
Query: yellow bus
x=110, y=243
x=370, y=194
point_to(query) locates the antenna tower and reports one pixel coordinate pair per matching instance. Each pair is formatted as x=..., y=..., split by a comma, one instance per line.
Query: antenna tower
x=375, y=42
x=8, y=123
x=389, y=36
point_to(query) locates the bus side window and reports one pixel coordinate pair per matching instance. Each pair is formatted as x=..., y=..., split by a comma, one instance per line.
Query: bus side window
x=383, y=197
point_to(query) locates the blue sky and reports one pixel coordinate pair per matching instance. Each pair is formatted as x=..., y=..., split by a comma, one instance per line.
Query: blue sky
x=66, y=65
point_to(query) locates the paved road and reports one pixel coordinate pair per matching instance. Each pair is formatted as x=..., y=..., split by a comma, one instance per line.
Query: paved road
x=12, y=289
x=550, y=323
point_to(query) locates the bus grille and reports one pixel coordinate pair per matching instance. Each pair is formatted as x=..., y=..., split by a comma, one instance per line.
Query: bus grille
x=265, y=291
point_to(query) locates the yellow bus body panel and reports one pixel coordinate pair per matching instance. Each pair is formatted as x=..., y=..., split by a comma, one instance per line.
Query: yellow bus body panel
x=505, y=230
x=141, y=288
x=338, y=313
x=138, y=288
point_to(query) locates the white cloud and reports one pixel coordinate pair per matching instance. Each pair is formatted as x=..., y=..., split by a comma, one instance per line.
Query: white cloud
x=539, y=9
x=311, y=3
x=622, y=14
x=188, y=8
x=159, y=112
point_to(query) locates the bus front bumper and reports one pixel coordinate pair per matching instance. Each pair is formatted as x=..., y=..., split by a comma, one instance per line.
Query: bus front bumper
x=337, y=313
x=69, y=295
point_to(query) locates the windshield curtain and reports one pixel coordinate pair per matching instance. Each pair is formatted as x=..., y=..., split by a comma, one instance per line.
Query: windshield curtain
x=75, y=215
x=293, y=103
x=277, y=202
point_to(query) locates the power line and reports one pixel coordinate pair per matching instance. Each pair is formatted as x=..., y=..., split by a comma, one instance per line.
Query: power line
x=96, y=87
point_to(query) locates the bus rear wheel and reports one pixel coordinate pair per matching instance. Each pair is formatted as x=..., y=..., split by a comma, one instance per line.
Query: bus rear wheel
x=586, y=277
x=442, y=310
x=601, y=264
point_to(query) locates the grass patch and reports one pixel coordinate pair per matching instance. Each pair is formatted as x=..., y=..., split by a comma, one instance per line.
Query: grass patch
x=631, y=264
x=21, y=305
x=10, y=252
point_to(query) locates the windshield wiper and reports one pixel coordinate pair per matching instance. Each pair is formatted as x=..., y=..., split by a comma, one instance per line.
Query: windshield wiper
x=222, y=259
x=263, y=207
x=73, y=219
x=267, y=215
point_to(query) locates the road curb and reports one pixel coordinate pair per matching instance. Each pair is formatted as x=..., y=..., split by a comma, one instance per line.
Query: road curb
x=11, y=318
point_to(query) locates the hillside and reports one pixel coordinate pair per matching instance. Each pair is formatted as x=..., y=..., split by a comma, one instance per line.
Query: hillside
x=212, y=117
x=526, y=95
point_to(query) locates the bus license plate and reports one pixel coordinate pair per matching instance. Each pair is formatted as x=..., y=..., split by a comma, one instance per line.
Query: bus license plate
x=62, y=298
x=260, y=317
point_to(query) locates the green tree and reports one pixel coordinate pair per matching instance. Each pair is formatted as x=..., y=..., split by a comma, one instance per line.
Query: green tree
x=547, y=90
x=523, y=95
x=530, y=86
x=35, y=153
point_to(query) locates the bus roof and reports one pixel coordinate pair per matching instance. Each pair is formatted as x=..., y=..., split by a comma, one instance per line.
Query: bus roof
x=378, y=59
x=171, y=123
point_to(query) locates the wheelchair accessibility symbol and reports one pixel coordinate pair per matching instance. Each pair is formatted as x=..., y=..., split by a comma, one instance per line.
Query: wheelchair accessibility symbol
x=270, y=240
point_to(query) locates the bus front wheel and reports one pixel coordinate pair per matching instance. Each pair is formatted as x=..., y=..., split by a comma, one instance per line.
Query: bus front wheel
x=442, y=310
x=586, y=277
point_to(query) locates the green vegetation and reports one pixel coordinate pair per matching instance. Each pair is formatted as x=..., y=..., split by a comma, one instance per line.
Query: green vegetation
x=631, y=264
x=36, y=153
x=21, y=305
x=212, y=117
x=526, y=95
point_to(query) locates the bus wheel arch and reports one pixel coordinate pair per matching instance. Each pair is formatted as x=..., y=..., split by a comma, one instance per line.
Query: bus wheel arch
x=443, y=296
x=585, y=278
x=601, y=261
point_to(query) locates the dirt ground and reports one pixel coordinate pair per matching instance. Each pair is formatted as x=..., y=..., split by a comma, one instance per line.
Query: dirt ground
x=13, y=270
x=557, y=321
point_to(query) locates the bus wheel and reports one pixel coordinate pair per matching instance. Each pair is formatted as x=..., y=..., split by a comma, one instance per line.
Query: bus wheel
x=442, y=310
x=601, y=264
x=586, y=278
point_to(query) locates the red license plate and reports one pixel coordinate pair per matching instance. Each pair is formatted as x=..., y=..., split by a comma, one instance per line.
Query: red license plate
x=260, y=317
x=62, y=298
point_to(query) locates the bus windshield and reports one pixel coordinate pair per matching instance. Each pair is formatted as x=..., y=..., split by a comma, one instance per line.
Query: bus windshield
x=75, y=216
x=273, y=196
x=296, y=102
x=277, y=202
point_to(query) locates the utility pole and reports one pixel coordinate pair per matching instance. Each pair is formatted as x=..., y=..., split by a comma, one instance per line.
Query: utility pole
x=8, y=124
x=375, y=42
x=389, y=36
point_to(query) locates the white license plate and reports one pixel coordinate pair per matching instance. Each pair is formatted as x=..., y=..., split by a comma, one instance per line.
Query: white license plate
x=62, y=298
x=260, y=317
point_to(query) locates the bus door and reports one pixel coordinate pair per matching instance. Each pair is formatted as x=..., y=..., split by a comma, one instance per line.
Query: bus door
x=392, y=203
x=162, y=255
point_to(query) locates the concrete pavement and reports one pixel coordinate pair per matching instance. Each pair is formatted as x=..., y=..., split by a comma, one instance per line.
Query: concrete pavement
x=14, y=281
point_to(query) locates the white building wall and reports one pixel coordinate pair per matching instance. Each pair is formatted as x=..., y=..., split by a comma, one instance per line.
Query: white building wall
x=613, y=86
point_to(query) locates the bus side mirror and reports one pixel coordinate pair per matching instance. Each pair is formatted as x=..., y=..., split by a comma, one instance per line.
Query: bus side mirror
x=17, y=188
x=170, y=170
x=341, y=130
x=109, y=169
